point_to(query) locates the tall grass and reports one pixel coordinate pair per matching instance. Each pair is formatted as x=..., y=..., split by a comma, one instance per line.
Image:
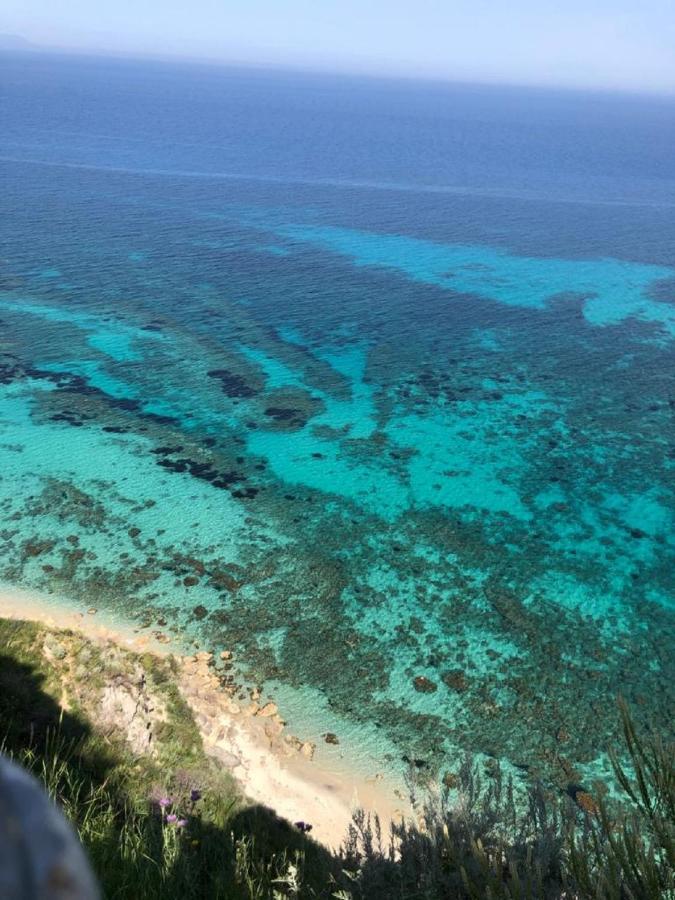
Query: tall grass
x=629, y=854
x=141, y=850
x=172, y=826
x=481, y=845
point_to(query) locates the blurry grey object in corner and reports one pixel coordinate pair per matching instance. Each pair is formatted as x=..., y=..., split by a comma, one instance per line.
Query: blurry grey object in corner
x=40, y=855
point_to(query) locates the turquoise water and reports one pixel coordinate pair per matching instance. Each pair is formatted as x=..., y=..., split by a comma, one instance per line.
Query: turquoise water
x=404, y=443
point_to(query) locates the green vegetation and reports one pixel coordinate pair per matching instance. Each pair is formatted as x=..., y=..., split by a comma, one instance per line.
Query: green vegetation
x=51, y=687
x=632, y=855
x=165, y=821
x=556, y=848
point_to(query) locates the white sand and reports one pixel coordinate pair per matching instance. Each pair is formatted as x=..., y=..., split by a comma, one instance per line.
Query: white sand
x=272, y=767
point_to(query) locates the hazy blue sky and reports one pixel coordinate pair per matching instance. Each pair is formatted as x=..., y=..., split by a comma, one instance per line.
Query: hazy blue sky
x=609, y=43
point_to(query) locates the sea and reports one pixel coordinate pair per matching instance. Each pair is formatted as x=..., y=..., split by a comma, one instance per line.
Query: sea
x=370, y=382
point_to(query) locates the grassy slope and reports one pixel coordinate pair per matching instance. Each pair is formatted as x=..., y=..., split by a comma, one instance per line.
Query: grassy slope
x=52, y=684
x=60, y=702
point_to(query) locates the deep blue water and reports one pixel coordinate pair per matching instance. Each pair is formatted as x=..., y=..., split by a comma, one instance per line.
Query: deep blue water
x=370, y=381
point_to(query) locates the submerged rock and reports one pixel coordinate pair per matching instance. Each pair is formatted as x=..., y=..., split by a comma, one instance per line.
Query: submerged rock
x=456, y=680
x=36, y=548
x=586, y=803
x=424, y=685
x=450, y=780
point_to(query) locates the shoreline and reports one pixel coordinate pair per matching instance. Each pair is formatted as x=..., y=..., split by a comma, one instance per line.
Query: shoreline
x=245, y=734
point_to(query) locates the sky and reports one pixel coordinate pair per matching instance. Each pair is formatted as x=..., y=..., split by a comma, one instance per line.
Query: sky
x=622, y=44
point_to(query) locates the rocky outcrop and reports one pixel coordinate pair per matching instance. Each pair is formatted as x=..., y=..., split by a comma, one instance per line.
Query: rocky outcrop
x=129, y=709
x=110, y=685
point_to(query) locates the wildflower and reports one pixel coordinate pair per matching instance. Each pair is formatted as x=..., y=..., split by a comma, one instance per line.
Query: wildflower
x=172, y=818
x=165, y=802
x=181, y=823
x=195, y=795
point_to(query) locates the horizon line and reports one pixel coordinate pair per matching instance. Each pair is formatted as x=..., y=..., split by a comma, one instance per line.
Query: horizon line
x=27, y=47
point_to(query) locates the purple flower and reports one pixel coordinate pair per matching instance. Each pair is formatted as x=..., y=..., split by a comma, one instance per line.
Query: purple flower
x=181, y=823
x=172, y=818
x=165, y=802
x=195, y=795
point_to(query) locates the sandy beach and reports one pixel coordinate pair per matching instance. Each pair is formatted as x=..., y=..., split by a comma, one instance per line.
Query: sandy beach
x=271, y=766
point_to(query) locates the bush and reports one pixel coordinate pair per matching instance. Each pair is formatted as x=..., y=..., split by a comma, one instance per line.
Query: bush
x=485, y=846
x=195, y=838
x=630, y=854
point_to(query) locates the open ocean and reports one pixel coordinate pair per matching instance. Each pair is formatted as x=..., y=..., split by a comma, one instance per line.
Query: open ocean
x=372, y=382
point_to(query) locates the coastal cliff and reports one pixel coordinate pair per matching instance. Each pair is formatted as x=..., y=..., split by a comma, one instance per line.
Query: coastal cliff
x=147, y=753
x=127, y=743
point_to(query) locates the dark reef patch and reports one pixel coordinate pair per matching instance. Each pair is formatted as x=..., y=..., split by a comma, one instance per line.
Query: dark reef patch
x=233, y=385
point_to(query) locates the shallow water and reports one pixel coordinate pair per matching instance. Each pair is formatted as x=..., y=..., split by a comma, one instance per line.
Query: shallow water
x=315, y=371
